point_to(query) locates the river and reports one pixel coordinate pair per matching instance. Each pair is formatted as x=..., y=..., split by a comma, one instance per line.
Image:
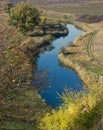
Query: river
x=58, y=76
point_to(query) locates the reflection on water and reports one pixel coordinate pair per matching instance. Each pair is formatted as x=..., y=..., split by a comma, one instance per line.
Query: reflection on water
x=54, y=76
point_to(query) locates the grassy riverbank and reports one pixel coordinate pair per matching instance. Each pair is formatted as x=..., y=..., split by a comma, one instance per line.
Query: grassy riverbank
x=86, y=53
x=87, y=49
x=20, y=104
x=21, y=107
x=82, y=55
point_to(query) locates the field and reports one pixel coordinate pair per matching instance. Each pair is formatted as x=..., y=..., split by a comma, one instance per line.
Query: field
x=93, y=9
x=58, y=2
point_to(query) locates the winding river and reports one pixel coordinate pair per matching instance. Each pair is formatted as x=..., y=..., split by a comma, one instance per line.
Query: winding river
x=59, y=77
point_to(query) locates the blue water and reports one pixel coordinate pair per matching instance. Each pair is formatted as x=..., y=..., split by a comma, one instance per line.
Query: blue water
x=59, y=77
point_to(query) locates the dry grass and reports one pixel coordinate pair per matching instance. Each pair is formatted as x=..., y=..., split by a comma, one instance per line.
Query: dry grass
x=89, y=46
x=98, y=41
x=86, y=61
x=93, y=9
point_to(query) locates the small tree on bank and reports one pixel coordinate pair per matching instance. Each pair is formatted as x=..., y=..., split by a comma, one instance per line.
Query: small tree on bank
x=24, y=16
x=7, y=6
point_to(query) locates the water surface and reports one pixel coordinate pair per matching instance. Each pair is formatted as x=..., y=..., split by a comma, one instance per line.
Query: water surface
x=58, y=75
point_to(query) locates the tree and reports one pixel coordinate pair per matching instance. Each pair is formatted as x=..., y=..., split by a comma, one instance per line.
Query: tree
x=24, y=16
x=8, y=6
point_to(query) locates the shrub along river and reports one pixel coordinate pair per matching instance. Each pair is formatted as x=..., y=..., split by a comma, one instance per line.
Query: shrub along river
x=54, y=76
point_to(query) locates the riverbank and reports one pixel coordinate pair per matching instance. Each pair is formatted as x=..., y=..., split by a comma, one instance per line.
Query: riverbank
x=81, y=55
x=59, y=76
x=21, y=106
x=88, y=48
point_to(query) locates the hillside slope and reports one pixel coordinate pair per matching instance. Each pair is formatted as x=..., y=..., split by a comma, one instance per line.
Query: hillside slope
x=52, y=2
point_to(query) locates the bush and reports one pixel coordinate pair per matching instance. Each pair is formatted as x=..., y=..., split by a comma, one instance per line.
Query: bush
x=62, y=50
x=80, y=111
x=8, y=6
x=24, y=16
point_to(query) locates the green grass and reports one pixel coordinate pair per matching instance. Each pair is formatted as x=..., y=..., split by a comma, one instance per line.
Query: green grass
x=98, y=69
x=17, y=125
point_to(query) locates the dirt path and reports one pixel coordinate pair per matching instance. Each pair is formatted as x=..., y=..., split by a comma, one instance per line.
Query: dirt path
x=98, y=43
